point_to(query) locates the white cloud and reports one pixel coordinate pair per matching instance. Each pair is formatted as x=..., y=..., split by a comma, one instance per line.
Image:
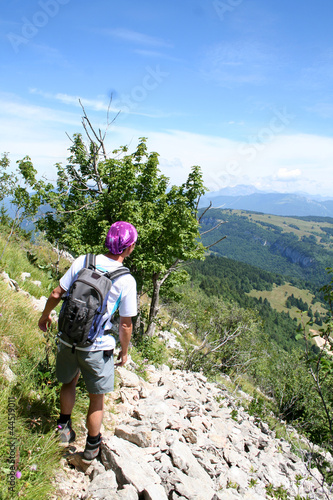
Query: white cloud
x=287, y=175
x=137, y=37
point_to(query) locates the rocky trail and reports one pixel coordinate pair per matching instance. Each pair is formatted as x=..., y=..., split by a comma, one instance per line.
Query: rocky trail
x=180, y=437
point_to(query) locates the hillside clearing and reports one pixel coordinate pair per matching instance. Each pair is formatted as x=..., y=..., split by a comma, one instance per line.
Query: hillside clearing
x=278, y=295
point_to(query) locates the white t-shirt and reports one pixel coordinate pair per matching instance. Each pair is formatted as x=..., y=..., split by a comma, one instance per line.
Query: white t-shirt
x=122, y=296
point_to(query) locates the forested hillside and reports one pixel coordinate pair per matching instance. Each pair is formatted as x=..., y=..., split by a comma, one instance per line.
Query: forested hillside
x=232, y=281
x=300, y=249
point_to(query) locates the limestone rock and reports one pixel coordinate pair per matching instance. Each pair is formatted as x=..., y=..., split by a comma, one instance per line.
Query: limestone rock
x=5, y=369
x=181, y=442
x=102, y=487
x=128, y=462
x=37, y=283
x=139, y=434
x=24, y=276
x=127, y=378
x=155, y=492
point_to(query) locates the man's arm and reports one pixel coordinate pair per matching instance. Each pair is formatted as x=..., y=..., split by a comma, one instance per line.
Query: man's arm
x=125, y=333
x=45, y=320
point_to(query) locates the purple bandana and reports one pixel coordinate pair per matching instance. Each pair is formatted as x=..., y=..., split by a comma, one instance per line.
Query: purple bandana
x=120, y=236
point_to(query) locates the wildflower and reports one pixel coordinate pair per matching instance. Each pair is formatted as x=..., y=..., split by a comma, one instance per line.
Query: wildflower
x=18, y=474
x=33, y=467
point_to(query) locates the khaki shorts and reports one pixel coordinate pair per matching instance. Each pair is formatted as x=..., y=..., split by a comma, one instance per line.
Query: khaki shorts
x=96, y=367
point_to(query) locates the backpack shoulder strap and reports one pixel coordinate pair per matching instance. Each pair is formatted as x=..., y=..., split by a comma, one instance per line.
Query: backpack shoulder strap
x=91, y=261
x=117, y=272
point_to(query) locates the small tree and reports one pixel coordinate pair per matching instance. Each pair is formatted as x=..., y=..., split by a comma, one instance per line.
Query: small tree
x=94, y=190
x=220, y=336
x=14, y=186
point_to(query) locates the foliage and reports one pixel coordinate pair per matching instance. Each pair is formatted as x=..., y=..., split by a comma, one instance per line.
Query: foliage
x=152, y=349
x=277, y=366
x=7, y=181
x=260, y=406
x=15, y=185
x=225, y=336
x=277, y=492
x=292, y=301
x=38, y=259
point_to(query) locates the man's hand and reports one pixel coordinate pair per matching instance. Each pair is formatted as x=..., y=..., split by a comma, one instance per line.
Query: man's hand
x=122, y=359
x=45, y=320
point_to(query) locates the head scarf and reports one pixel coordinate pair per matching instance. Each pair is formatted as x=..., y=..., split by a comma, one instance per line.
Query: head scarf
x=120, y=236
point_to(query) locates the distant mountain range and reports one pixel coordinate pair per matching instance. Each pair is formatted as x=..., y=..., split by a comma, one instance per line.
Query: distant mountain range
x=288, y=204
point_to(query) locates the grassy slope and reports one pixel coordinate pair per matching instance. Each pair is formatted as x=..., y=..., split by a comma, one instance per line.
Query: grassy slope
x=34, y=393
x=36, y=451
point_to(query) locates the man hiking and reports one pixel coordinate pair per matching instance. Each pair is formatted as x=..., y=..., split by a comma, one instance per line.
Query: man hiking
x=95, y=362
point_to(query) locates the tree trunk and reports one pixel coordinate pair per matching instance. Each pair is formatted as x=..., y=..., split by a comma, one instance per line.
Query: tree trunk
x=154, y=306
x=138, y=325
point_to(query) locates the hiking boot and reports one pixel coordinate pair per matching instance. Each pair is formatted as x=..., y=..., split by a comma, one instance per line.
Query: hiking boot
x=91, y=451
x=66, y=435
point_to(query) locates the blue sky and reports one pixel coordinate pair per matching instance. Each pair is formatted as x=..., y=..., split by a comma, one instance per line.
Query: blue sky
x=242, y=88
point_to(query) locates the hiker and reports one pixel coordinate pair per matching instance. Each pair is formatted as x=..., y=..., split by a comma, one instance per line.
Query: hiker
x=96, y=361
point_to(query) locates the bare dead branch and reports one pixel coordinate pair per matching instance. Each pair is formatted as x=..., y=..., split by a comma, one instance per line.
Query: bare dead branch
x=78, y=209
x=197, y=205
x=108, y=113
x=85, y=117
x=86, y=129
x=215, y=227
x=170, y=270
x=69, y=137
x=99, y=140
x=218, y=241
x=206, y=210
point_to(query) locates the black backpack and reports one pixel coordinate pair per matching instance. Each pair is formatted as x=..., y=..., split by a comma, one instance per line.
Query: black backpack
x=82, y=309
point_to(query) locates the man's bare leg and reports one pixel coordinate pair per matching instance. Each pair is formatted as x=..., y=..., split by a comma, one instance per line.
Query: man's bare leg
x=95, y=414
x=67, y=396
